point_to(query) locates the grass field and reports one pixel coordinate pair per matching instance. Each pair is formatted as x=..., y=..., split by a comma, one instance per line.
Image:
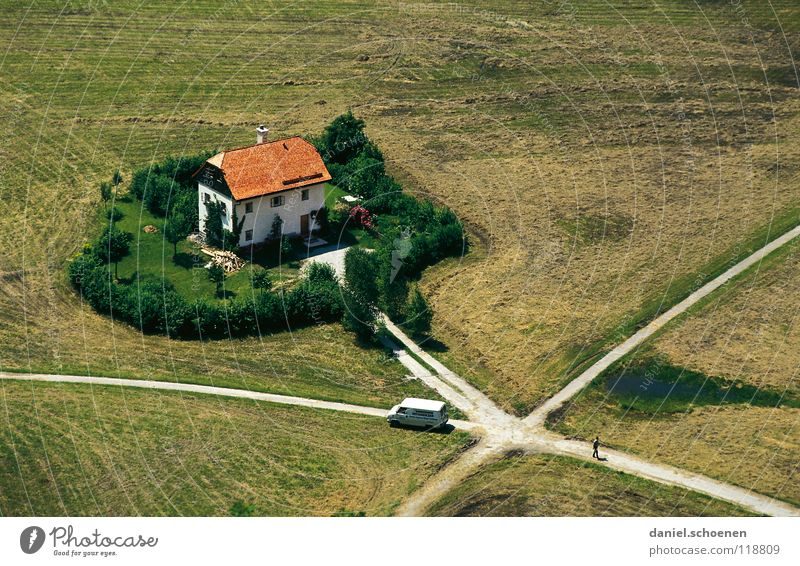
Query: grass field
x=595, y=178
x=78, y=450
x=524, y=486
x=746, y=334
x=606, y=158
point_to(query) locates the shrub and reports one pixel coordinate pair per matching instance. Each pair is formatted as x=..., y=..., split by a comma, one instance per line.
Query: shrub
x=337, y=217
x=169, y=184
x=342, y=140
x=113, y=214
x=361, y=216
x=105, y=191
x=360, y=270
x=112, y=246
x=262, y=280
x=418, y=314
x=320, y=273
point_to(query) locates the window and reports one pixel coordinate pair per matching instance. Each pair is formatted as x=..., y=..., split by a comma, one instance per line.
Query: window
x=304, y=194
x=276, y=201
x=223, y=209
x=248, y=207
x=206, y=198
x=248, y=235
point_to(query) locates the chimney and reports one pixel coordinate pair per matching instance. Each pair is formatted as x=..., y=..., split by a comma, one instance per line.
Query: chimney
x=261, y=133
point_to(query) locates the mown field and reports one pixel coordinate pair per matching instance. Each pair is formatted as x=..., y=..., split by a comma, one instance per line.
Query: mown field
x=602, y=155
x=545, y=486
x=76, y=450
x=743, y=342
x=606, y=157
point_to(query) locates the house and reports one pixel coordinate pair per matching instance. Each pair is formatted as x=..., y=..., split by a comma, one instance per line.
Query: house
x=283, y=178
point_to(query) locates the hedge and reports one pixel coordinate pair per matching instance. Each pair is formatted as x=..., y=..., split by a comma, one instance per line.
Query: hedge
x=431, y=233
x=155, y=307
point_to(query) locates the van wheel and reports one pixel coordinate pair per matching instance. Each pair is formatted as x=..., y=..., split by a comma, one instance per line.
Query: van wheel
x=393, y=424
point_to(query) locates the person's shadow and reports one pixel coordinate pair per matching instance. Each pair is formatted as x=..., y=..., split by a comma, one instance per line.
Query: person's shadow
x=602, y=459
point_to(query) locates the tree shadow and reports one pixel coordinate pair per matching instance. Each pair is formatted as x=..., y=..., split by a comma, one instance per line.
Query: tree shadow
x=225, y=294
x=430, y=343
x=186, y=260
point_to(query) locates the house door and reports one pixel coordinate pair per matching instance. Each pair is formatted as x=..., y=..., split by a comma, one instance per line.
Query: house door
x=304, y=225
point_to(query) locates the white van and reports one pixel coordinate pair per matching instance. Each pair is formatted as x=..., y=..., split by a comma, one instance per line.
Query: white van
x=418, y=412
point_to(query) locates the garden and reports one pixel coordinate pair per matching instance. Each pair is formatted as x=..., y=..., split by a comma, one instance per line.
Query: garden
x=147, y=267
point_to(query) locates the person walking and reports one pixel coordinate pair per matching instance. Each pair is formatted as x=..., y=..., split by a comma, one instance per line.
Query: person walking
x=595, y=446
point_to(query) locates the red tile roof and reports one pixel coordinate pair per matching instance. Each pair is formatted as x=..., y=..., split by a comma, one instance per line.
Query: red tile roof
x=271, y=167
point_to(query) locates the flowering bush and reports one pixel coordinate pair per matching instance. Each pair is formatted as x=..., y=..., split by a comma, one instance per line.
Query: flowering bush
x=362, y=216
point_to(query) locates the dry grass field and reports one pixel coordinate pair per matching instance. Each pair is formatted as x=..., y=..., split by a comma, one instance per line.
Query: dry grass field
x=545, y=486
x=73, y=450
x=746, y=333
x=606, y=158
x=601, y=155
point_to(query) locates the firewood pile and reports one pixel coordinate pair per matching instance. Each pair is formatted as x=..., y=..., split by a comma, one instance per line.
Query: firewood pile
x=229, y=261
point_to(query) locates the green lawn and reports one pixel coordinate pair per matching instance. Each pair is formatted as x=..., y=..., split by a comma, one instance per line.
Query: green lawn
x=69, y=449
x=153, y=257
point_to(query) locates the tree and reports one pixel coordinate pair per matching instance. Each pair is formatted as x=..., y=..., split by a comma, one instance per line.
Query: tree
x=175, y=230
x=113, y=245
x=116, y=179
x=213, y=230
x=105, y=191
x=217, y=275
x=360, y=293
x=230, y=238
x=392, y=280
x=418, y=314
x=262, y=280
x=320, y=273
x=363, y=176
x=360, y=270
x=286, y=249
x=342, y=139
x=360, y=317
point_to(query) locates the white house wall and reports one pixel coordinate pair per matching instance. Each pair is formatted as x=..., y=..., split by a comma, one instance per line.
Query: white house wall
x=260, y=220
x=202, y=190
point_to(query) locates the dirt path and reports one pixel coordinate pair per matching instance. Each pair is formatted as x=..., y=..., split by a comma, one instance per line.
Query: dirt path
x=538, y=416
x=500, y=431
x=211, y=390
x=551, y=443
x=503, y=432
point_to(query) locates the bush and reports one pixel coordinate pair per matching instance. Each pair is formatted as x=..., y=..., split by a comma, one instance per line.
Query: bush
x=359, y=316
x=113, y=214
x=418, y=314
x=169, y=185
x=320, y=273
x=342, y=140
x=112, y=246
x=360, y=270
